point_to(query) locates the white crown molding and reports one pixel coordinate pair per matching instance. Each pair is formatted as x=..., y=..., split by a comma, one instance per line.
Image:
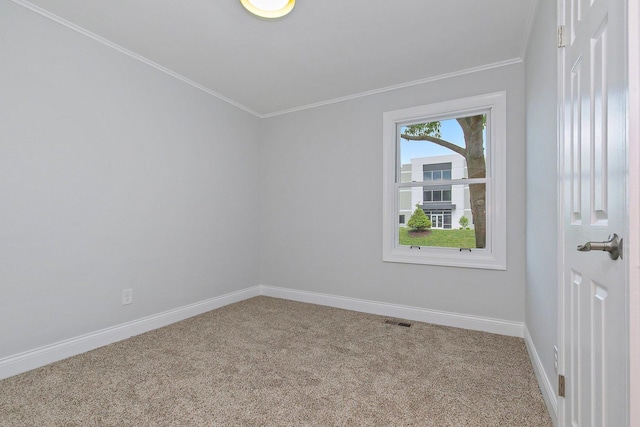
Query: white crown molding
x=548, y=391
x=129, y=53
x=190, y=82
x=465, y=321
x=16, y=364
x=400, y=86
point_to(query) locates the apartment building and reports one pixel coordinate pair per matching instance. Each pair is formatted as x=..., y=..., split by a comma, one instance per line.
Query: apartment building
x=443, y=203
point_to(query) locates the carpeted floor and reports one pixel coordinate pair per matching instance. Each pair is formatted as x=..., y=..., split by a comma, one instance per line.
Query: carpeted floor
x=272, y=362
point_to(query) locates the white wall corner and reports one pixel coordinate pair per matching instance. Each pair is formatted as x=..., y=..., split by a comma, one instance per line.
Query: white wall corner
x=545, y=383
x=533, y=12
x=465, y=321
x=22, y=362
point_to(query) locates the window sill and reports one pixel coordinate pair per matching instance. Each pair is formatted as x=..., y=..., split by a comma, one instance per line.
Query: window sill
x=448, y=257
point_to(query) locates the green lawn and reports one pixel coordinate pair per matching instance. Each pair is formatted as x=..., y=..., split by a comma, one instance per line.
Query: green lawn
x=440, y=238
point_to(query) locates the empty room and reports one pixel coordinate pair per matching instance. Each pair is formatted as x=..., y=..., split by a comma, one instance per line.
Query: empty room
x=319, y=213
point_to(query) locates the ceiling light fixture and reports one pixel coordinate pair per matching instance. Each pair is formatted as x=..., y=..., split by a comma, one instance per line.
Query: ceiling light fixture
x=269, y=8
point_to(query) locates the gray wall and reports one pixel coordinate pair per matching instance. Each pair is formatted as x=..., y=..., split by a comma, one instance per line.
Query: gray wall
x=542, y=194
x=321, y=204
x=113, y=175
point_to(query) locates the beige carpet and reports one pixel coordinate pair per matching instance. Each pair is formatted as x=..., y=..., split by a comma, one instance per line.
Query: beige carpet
x=272, y=362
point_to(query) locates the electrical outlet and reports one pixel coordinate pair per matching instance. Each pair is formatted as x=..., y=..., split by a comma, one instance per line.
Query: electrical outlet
x=127, y=296
x=555, y=358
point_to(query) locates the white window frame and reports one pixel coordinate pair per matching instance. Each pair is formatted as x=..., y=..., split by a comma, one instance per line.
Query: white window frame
x=494, y=256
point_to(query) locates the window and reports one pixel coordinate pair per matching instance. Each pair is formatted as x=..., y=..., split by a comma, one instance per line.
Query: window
x=437, y=195
x=448, y=161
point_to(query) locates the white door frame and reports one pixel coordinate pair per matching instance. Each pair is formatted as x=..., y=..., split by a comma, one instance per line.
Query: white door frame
x=633, y=245
x=632, y=241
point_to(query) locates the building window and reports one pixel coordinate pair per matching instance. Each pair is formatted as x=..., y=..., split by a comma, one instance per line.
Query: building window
x=448, y=160
x=437, y=195
x=436, y=175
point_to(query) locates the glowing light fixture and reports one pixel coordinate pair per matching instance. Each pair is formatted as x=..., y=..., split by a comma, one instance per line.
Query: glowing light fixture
x=269, y=8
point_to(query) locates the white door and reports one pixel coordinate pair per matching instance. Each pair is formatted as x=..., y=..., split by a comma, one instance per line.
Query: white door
x=593, y=303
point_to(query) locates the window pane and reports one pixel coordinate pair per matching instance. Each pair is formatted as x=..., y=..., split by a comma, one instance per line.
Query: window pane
x=416, y=151
x=443, y=210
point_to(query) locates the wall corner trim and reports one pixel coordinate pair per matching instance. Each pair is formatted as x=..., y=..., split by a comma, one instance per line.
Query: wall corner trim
x=478, y=323
x=22, y=362
x=546, y=387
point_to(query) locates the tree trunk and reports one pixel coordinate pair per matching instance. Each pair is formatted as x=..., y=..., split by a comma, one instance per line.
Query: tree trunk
x=479, y=211
x=473, y=127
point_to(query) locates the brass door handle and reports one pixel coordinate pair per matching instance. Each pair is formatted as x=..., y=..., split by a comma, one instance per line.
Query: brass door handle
x=613, y=246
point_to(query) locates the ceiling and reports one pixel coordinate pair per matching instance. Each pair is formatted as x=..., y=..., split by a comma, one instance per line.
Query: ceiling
x=325, y=50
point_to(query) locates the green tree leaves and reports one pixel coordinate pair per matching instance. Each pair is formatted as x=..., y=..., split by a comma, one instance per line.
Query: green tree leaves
x=419, y=220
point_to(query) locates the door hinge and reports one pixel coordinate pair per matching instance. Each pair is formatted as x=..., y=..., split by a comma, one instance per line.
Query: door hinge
x=561, y=385
x=561, y=36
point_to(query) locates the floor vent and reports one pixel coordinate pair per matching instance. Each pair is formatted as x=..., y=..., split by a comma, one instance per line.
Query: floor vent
x=393, y=322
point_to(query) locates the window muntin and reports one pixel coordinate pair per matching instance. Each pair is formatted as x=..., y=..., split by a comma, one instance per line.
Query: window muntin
x=446, y=193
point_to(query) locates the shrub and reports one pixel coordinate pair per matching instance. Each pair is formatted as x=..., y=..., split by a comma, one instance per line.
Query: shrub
x=419, y=220
x=464, y=222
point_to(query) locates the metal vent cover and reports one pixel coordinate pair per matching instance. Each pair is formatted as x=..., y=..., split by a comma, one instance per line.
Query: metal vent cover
x=395, y=322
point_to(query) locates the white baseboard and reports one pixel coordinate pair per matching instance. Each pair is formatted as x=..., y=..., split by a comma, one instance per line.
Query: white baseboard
x=32, y=359
x=16, y=364
x=548, y=391
x=485, y=324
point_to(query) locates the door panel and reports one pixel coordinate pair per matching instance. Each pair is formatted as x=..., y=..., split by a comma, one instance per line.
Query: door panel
x=576, y=152
x=593, y=337
x=598, y=129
